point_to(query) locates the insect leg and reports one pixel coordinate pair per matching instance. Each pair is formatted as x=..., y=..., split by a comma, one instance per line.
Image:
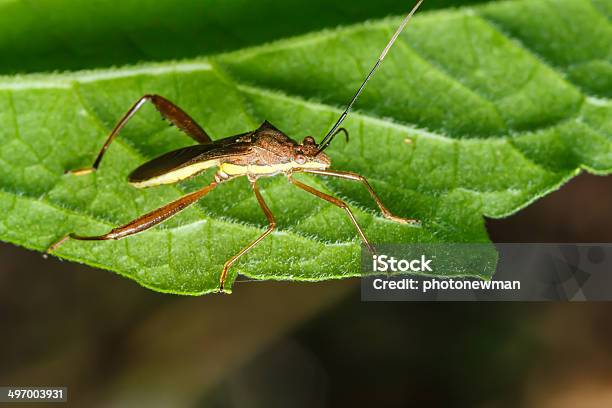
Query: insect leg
x=338, y=203
x=168, y=110
x=143, y=222
x=357, y=177
x=271, y=227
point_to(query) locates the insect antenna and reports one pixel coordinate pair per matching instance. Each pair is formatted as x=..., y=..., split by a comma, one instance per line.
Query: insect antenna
x=333, y=132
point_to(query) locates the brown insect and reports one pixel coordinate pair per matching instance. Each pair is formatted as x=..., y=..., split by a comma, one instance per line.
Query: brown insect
x=263, y=152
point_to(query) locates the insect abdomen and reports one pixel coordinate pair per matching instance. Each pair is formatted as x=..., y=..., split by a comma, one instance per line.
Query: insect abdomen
x=174, y=166
x=173, y=176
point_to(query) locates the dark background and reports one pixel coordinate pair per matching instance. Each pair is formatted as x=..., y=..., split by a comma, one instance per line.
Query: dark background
x=274, y=344
x=271, y=344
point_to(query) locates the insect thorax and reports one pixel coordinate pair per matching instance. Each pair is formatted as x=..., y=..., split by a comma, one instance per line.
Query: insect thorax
x=272, y=153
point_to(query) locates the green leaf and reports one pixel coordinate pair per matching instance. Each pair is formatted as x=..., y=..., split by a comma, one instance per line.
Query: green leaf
x=475, y=112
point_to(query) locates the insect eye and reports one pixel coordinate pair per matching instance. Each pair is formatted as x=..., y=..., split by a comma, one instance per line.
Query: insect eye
x=300, y=159
x=309, y=140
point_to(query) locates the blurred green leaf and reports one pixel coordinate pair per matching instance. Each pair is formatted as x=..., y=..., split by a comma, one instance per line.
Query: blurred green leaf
x=50, y=35
x=475, y=112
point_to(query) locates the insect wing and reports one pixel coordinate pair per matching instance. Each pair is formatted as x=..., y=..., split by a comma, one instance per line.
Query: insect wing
x=197, y=157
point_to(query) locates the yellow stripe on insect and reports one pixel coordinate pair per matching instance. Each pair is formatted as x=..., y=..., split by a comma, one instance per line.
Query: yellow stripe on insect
x=239, y=170
x=176, y=175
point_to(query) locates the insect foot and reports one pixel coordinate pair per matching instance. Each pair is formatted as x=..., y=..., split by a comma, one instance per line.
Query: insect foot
x=224, y=276
x=222, y=288
x=80, y=172
x=57, y=244
x=410, y=221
